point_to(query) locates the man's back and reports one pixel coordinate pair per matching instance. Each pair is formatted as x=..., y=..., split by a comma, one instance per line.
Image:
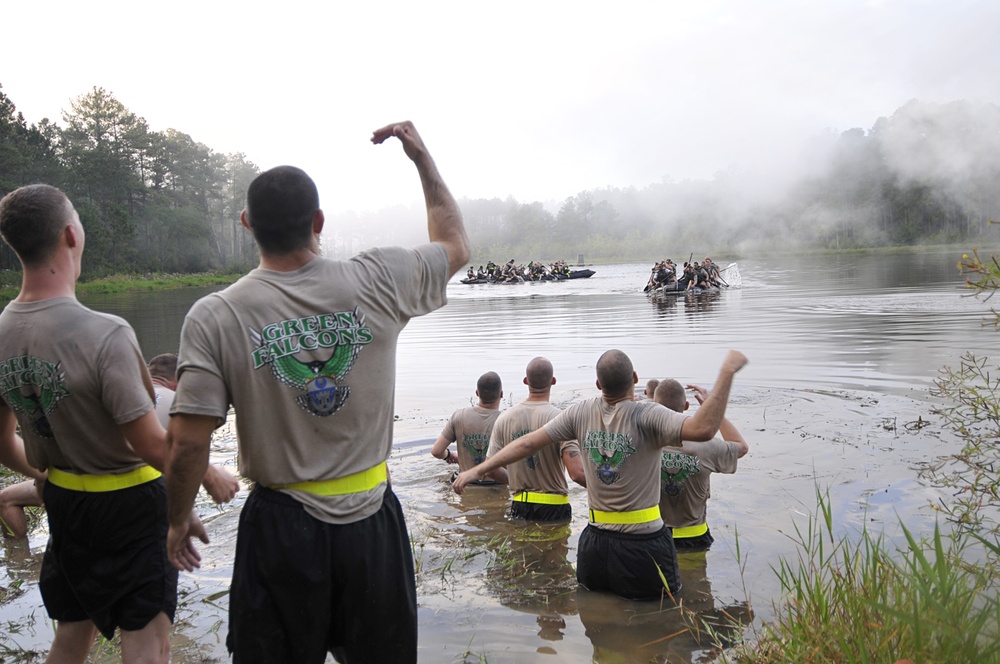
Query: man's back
x=314, y=366
x=543, y=471
x=70, y=387
x=685, y=479
x=471, y=429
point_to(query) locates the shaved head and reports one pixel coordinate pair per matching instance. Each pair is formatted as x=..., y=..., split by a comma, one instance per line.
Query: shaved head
x=615, y=373
x=489, y=387
x=651, y=387
x=671, y=394
x=539, y=374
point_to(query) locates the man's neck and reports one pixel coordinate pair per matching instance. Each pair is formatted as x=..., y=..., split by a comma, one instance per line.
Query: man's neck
x=490, y=406
x=46, y=283
x=537, y=396
x=287, y=262
x=611, y=401
x=161, y=382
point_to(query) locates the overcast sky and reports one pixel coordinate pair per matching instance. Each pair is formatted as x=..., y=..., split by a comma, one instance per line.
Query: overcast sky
x=536, y=100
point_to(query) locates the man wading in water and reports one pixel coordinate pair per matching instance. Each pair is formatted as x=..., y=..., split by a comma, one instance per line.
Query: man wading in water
x=304, y=348
x=625, y=549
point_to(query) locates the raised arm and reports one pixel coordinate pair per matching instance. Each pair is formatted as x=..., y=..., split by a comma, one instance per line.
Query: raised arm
x=727, y=429
x=444, y=220
x=703, y=424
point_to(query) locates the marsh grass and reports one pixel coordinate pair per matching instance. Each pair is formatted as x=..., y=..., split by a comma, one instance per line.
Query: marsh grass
x=10, y=283
x=860, y=600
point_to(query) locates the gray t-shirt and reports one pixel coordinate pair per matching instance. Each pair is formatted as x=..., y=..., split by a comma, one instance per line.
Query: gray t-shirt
x=620, y=445
x=308, y=361
x=684, y=479
x=72, y=385
x=471, y=428
x=543, y=471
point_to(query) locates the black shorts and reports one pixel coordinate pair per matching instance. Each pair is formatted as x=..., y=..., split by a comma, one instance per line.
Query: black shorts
x=627, y=564
x=302, y=587
x=106, y=559
x=540, y=511
x=699, y=543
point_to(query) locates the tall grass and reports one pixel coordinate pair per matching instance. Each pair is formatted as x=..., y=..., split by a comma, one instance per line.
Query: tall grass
x=861, y=600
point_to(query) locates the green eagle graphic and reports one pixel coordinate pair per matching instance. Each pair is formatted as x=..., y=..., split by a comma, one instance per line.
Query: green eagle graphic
x=321, y=380
x=607, y=463
x=36, y=407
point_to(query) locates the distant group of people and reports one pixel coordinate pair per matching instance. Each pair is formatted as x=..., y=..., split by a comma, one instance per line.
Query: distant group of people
x=511, y=273
x=692, y=275
x=644, y=463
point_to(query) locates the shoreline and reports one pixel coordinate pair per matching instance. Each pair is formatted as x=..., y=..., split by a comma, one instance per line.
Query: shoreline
x=132, y=283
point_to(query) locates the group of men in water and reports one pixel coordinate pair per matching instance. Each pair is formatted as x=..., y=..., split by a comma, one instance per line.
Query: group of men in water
x=511, y=273
x=645, y=465
x=692, y=275
x=303, y=350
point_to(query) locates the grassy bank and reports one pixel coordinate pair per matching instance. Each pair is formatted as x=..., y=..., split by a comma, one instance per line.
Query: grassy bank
x=10, y=283
x=859, y=600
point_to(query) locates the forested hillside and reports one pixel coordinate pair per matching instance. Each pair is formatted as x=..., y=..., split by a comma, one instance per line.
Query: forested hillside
x=149, y=200
x=160, y=201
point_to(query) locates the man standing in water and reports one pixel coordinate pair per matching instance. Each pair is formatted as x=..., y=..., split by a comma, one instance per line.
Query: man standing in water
x=471, y=427
x=304, y=348
x=75, y=381
x=625, y=548
x=538, y=483
x=685, y=473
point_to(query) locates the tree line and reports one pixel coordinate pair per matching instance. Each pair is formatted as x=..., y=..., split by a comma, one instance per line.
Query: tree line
x=926, y=174
x=150, y=201
x=158, y=201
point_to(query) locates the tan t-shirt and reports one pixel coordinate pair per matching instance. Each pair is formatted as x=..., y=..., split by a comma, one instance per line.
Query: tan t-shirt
x=684, y=479
x=620, y=445
x=543, y=471
x=72, y=376
x=470, y=428
x=308, y=361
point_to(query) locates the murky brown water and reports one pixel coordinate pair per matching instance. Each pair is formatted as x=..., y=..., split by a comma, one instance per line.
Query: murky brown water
x=843, y=351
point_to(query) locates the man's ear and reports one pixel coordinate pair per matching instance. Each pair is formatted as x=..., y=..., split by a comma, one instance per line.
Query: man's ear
x=553, y=380
x=635, y=378
x=598, y=383
x=245, y=220
x=525, y=380
x=318, y=221
x=687, y=404
x=72, y=239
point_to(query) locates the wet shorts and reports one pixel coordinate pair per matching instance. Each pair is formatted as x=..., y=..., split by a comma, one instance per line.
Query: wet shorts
x=302, y=587
x=106, y=559
x=699, y=543
x=627, y=564
x=540, y=512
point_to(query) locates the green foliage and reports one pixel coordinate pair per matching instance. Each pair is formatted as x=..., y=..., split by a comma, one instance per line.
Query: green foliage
x=148, y=200
x=859, y=601
x=971, y=408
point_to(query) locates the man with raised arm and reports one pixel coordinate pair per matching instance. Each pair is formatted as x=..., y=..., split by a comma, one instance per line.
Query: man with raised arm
x=75, y=381
x=625, y=548
x=304, y=348
x=685, y=473
x=470, y=428
x=538, y=483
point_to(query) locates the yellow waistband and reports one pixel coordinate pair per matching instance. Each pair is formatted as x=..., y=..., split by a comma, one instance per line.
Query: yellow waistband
x=366, y=480
x=690, y=531
x=541, y=498
x=102, y=483
x=635, y=516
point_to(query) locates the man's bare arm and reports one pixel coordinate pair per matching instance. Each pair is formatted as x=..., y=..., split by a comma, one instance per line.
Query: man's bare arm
x=444, y=220
x=190, y=438
x=440, y=450
x=520, y=448
x=12, y=447
x=703, y=424
x=146, y=436
x=574, y=466
x=727, y=429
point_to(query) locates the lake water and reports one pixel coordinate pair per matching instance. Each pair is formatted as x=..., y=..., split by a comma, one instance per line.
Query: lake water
x=843, y=352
